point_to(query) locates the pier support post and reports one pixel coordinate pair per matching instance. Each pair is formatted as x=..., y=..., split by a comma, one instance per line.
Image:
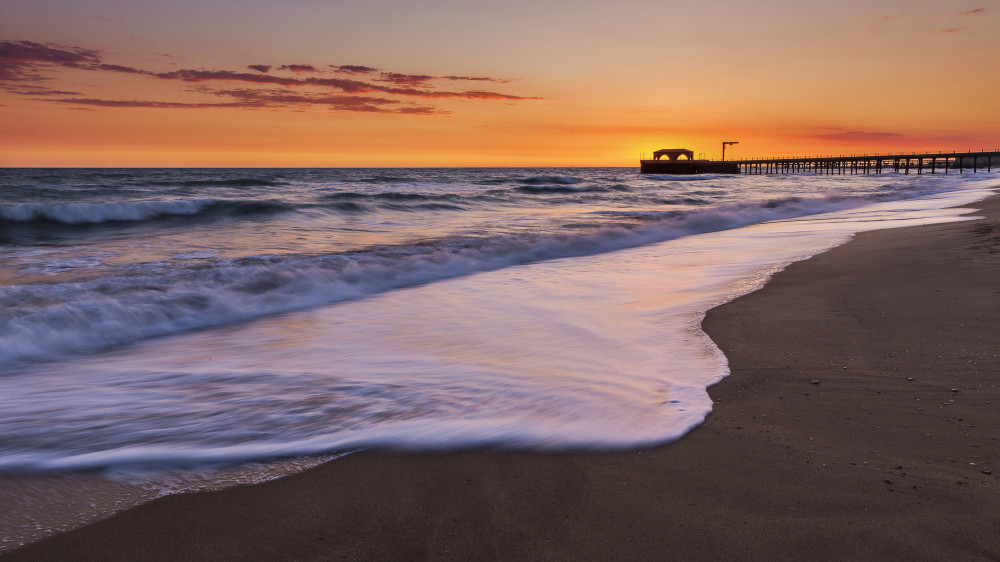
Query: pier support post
x=855, y=164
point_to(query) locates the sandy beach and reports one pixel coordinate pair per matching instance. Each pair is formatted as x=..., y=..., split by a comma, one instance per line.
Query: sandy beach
x=859, y=422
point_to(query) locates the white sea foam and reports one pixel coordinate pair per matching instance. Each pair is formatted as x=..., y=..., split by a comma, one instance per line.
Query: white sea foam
x=44, y=321
x=600, y=349
x=595, y=352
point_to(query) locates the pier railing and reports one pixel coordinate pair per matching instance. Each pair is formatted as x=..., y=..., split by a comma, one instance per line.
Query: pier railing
x=933, y=162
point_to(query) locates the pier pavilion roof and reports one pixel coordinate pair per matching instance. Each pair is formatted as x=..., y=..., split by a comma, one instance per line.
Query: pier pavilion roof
x=673, y=153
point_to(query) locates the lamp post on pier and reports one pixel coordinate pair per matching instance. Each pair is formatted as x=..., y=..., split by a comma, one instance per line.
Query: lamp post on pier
x=724, y=143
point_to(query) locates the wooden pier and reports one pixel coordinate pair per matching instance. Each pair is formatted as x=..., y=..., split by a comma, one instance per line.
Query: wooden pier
x=938, y=162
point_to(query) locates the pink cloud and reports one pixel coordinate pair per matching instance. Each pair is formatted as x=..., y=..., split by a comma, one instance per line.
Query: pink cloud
x=862, y=137
x=139, y=103
x=263, y=99
x=187, y=75
x=119, y=68
x=43, y=92
x=298, y=68
x=975, y=12
x=278, y=98
x=28, y=51
x=477, y=79
x=354, y=69
x=344, y=85
x=21, y=61
x=405, y=79
x=937, y=143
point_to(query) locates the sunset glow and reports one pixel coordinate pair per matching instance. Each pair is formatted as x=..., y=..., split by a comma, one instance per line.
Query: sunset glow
x=445, y=83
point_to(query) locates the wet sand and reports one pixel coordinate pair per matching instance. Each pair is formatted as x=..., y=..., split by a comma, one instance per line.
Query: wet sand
x=861, y=421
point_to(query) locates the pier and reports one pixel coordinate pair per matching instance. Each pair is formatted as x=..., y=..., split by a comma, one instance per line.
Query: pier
x=673, y=164
x=931, y=162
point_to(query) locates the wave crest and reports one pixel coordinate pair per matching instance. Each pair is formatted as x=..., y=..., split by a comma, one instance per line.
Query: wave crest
x=75, y=214
x=42, y=321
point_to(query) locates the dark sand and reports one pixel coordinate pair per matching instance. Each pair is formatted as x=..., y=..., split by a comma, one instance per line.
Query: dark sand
x=861, y=422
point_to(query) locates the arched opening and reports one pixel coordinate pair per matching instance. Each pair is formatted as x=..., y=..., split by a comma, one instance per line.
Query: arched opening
x=673, y=153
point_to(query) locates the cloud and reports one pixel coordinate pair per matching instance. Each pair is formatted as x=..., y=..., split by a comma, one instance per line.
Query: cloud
x=25, y=89
x=477, y=79
x=341, y=84
x=119, y=68
x=408, y=79
x=298, y=68
x=24, y=61
x=862, y=137
x=975, y=12
x=422, y=79
x=486, y=95
x=187, y=75
x=139, y=103
x=29, y=51
x=37, y=92
x=264, y=99
x=257, y=98
x=20, y=60
x=951, y=30
x=404, y=79
x=354, y=69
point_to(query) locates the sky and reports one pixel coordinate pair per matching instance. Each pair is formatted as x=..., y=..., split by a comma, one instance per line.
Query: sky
x=483, y=83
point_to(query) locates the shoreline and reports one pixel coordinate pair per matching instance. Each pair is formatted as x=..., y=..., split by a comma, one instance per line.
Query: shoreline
x=858, y=422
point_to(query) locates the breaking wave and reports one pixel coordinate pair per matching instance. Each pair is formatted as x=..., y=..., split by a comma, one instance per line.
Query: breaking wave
x=45, y=320
x=131, y=211
x=233, y=182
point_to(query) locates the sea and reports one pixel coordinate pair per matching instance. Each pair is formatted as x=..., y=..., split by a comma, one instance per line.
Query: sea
x=166, y=330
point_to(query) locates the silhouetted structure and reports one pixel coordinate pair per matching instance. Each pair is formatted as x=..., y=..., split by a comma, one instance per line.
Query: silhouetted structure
x=674, y=165
x=673, y=153
x=943, y=162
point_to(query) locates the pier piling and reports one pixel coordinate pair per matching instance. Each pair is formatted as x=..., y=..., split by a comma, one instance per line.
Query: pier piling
x=871, y=164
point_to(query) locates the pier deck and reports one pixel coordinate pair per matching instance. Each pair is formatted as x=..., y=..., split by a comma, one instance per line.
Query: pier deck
x=933, y=162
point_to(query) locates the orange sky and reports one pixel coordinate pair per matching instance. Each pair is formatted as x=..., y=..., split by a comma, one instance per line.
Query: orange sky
x=518, y=83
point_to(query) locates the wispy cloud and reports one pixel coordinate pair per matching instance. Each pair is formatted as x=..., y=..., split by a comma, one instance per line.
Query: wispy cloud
x=50, y=93
x=353, y=69
x=139, y=103
x=405, y=79
x=963, y=14
x=423, y=79
x=477, y=79
x=976, y=12
x=409, y=79
x=272, y=98
x=298, y=68
x=30, y=64
x=861, y=137
x=20, y=60
x=257, y=99
x=928, y=143
x=26, y=89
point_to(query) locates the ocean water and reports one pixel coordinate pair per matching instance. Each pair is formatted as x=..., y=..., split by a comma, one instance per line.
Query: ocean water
x=156, y=322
